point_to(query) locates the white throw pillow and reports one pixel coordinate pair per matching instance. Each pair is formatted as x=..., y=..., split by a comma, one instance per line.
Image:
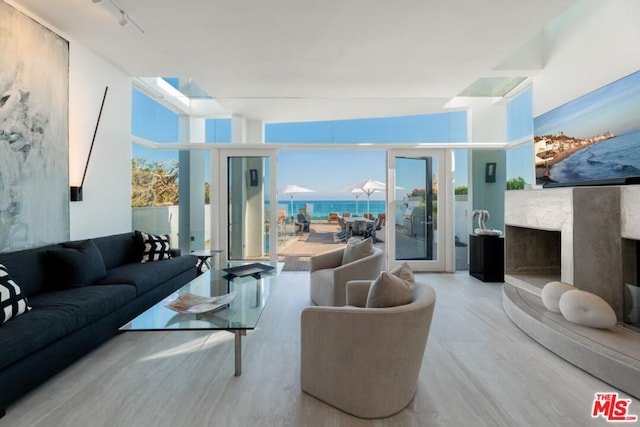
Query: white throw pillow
x=587, y=309
x=552, y=292
x=357, y=249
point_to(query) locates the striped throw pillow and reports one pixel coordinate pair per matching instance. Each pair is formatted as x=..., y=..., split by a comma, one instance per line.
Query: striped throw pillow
x=155, y=248
x=12, y=302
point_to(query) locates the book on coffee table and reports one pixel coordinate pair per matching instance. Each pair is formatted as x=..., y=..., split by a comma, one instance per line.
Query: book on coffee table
x=190, y=303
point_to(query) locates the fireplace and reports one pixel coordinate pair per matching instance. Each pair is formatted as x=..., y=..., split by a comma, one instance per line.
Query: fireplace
x=533, y=252
x=567, y=234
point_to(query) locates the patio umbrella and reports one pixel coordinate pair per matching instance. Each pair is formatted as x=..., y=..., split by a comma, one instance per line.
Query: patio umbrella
x=293, y=189
x=357, y=192
x=368, y=187
x=371, y=186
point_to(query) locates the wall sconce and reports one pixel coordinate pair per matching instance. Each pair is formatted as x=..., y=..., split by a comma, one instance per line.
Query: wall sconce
x=75, y=193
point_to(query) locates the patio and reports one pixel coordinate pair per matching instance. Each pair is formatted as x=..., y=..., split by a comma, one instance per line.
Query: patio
x=297, y=250
x=295, y=253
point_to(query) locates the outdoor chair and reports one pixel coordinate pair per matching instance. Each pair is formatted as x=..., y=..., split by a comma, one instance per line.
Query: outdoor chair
x=371, y=230
x=365, y=361
x=342, y=234
x=302, y=223
x=359, y=228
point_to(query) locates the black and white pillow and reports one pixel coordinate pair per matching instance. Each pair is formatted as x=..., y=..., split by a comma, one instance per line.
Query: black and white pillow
x=12, y=302
x=155, y=248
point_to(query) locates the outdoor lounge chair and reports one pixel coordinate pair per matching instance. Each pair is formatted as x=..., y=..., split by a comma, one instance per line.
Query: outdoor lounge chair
x=333, y=217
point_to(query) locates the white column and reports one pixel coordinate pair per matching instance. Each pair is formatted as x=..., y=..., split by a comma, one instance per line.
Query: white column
x=248, y=199
x=488, y=124
x=191, y=229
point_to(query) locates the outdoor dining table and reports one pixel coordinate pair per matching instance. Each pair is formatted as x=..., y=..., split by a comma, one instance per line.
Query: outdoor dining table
x=350, y=221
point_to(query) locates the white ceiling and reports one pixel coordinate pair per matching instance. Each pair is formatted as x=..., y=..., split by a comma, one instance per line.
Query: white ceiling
x=284, y=60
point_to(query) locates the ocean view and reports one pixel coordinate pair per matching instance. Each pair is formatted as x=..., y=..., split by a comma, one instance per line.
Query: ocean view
x=614, y=158
x=319, y=209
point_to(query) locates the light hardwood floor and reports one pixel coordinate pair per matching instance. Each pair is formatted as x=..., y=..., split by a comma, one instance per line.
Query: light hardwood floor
x=479, y=370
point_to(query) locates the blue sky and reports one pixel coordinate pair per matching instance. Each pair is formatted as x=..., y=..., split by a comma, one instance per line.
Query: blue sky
x=520, y=162
x=614, y=107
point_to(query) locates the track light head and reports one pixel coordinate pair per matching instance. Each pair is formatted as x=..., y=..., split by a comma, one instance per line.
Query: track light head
x=96, y=1
x=123, y=19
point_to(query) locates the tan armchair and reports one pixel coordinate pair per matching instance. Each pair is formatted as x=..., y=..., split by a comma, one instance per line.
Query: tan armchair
x=328, y=277
x=365, y=361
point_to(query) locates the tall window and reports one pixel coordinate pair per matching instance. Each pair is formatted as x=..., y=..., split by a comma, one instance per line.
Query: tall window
x=520, y=164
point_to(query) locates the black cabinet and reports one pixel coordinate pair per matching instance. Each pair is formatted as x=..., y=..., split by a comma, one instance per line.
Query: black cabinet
x=486, y=258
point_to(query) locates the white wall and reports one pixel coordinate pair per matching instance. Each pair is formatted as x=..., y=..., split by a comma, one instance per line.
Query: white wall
x=106, y=208
x=592, y=45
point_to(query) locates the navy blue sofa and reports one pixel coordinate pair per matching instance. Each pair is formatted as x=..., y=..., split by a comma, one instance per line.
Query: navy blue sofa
x=66, y=322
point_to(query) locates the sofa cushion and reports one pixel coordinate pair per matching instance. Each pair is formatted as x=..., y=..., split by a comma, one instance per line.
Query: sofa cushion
x=119, y=249
x=57, y=314
x=357, y=249
x=390, y=290
x=75, y=264
x=148, y=275
x=155, y=247
x=12, y=302
x=27, y=268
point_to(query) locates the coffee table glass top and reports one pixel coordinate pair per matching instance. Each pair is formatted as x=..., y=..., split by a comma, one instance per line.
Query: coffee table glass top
x=251, y=296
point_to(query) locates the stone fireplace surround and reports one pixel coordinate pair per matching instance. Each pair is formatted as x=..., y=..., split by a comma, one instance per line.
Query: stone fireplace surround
x=584, y=236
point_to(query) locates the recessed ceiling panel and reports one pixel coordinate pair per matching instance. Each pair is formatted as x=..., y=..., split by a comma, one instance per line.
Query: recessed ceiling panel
x=492, y=86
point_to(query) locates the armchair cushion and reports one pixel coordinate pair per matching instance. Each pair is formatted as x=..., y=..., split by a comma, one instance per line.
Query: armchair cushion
x=391, y=289
x=357, y=292
x=357, y=249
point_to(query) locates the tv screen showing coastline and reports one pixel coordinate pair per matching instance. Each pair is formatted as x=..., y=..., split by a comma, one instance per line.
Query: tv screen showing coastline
x=594, y=137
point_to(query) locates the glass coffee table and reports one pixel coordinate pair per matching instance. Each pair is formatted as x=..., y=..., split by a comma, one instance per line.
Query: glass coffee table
x=242, y=314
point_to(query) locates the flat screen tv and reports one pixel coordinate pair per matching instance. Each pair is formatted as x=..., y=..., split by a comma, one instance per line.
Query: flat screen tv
x=592, y=139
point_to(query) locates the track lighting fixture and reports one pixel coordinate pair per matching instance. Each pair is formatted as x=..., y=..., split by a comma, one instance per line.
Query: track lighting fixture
x=123, y=19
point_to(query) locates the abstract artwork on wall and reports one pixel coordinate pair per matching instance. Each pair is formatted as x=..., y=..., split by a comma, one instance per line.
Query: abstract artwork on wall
x=34, y=133
x=594, y=137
